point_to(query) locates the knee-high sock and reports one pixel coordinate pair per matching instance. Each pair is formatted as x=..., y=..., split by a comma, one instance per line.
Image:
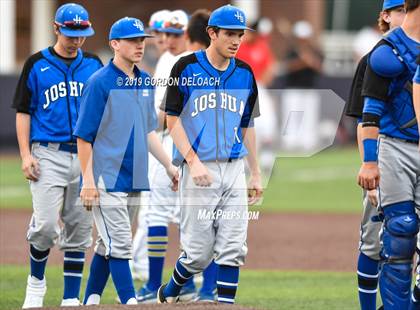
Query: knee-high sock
x=179, y=277
x=209, y=279
x=367, y=278
x=98, y=276
x=123, y=281
x=38, y=261
x=73, y=273
x=157, y=242
x=227, y=283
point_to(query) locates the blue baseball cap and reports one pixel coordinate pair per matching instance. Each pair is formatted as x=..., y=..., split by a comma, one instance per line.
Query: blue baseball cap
x=126, y=28
x=389, y=4
x=228, y=17
x=73, y=21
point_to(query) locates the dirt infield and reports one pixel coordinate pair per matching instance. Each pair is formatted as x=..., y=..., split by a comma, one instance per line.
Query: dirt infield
x=276, y=241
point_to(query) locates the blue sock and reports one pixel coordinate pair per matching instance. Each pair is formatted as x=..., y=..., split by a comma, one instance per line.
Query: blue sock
x=157, y=242
x=190, y=284
x=123, y=281
x=367, y=276
x=73, y=273
x=98, y=276
x=227, y=283
x=209, y=279
x=179, y=277
x=38, y=262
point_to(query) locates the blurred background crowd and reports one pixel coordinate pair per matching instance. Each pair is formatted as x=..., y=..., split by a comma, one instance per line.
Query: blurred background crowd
x=298, y=44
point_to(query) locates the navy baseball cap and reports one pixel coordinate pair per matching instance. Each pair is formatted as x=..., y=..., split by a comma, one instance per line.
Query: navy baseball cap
x=228, y=17
x=126, y=28
x=389, y=4
x=73, y=21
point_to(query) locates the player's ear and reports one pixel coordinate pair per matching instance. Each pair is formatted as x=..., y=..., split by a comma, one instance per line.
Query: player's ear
x=56, y=29
x=114, y=44
x=212, y=33
x=386, y=16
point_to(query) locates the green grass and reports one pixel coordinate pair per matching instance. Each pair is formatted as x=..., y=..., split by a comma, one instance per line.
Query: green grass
x=325, y=182
x=263, y=289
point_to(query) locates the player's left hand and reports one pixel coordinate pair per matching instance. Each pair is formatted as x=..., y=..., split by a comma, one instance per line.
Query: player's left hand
x=368, y=177
x=255, y=190
x=173, y=174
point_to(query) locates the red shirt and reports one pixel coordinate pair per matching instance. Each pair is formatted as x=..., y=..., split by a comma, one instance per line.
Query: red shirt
x=257, y=54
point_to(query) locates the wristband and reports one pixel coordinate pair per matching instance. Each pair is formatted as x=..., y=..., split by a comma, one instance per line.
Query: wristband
x=370, y=150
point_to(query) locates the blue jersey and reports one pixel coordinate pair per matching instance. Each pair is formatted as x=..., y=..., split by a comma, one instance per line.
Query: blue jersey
x=388, y=85
x=49, y=90
x=116, y=114
x=416, y=78
x=212, y=105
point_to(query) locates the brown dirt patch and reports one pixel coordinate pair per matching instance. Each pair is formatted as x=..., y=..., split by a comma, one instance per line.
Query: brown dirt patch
x=276, y=241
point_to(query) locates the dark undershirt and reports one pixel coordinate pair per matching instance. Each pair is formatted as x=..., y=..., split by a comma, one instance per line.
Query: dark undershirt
x=67, y=61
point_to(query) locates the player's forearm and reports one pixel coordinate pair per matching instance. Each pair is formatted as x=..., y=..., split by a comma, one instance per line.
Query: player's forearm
x=161, y=120
x=180, y=138
x=157, y=150
x=250, y=141
x=359, y=140
x=23, y=128
x=84, y=151
x=416, y=100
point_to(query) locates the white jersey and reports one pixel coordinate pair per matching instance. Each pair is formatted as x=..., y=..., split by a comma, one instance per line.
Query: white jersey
x=162, y=72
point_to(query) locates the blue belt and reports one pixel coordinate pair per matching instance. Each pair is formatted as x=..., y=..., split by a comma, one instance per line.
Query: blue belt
x=65, y=147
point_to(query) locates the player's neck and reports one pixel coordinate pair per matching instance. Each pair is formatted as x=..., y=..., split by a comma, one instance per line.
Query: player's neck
x=411, y=25
x=125, y=66
x=62, y=52
x=195, y=46
x=216, y=60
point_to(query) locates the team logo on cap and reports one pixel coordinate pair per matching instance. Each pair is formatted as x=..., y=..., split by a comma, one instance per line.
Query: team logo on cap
x=138, y=25
x=239, y=16
x=77, y=19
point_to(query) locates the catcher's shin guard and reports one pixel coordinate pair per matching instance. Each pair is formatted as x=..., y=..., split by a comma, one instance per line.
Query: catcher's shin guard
x=399, y=243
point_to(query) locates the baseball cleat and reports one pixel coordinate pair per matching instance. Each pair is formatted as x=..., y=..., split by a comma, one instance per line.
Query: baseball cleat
x=93, y=299
x=187, y=294
x=146, y=296
x=70, y=302
x=161, y=299
x=205, y=297
x=35, y=292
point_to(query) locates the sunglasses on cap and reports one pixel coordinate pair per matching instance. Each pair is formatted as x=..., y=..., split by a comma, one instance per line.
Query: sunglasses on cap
x=84, y=24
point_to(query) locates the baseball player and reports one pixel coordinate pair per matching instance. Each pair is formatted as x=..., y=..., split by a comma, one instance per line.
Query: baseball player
x=162, y=205
x=391, y=16
x=140, y=262
x=114, y=131
x=47, y=103
x=415, y=296
x=391, y=163
x=210, y=118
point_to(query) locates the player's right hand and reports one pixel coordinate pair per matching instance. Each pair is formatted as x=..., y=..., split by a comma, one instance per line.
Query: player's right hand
x=89, y=196
x=30, y=168
x=373, y=197
x=200, y=173
x=368, y=177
